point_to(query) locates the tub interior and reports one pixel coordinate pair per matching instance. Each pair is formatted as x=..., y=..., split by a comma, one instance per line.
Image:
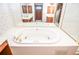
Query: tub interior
x=36, y=35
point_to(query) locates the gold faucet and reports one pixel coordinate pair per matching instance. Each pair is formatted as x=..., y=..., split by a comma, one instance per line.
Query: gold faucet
x=18, y=37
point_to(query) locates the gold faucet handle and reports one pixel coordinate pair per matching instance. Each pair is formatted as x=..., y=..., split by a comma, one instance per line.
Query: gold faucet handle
x=18, y=37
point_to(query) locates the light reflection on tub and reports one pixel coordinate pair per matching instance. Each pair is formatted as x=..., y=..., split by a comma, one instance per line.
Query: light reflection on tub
x=37, y=36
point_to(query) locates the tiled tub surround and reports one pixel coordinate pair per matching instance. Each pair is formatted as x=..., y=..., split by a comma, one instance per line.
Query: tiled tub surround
x=60, y=43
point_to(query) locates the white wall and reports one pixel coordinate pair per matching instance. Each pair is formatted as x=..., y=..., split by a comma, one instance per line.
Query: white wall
x=71, y=20
x=6, y=21
x=16, y=12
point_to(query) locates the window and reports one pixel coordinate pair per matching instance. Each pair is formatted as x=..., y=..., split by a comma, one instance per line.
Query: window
x=50, y=9
x=27, y=8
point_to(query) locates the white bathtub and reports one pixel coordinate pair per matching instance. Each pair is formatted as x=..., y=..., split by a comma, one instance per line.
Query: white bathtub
x=37, y=39
x=36, y=35
x=36, y=32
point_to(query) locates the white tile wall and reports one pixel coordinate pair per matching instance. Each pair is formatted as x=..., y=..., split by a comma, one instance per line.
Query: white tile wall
x=71, y=20
x=6, y=20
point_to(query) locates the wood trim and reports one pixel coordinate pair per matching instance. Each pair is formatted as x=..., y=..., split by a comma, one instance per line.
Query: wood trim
x=5, y=49
x=4, y=44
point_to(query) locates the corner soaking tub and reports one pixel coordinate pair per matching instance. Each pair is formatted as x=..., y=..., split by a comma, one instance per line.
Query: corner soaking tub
x=40, y=40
